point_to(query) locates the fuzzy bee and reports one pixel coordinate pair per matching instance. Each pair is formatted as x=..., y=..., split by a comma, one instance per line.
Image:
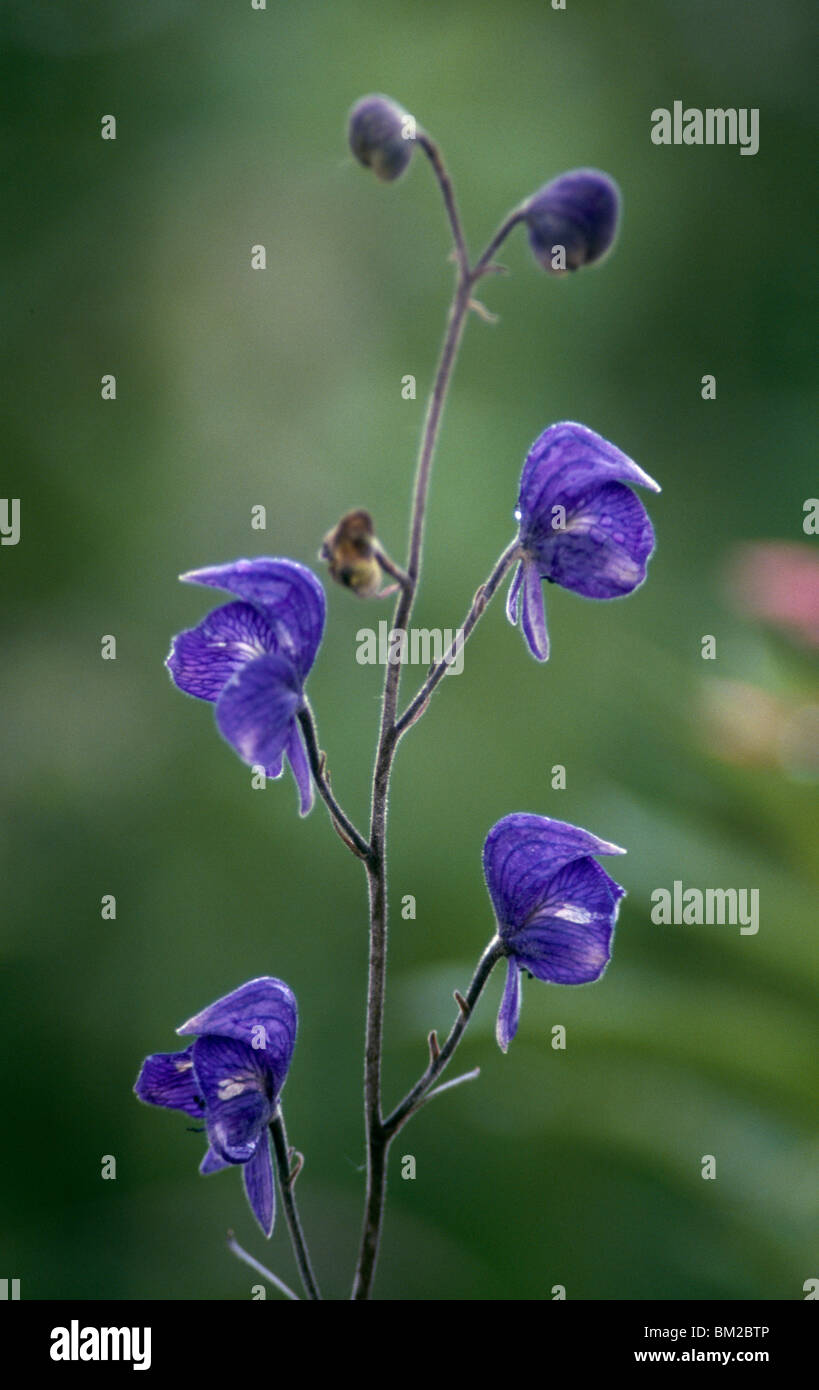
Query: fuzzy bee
x=350, y=552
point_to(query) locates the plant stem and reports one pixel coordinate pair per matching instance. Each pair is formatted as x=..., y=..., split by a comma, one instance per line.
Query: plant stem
x=378, y=1137
x=235, y=1248
x=449, y=352
x=377, y=1143
x=445, y=183
x=419, y=1094
x=352, y=838
x=439, y=670
x=484, y=265
x=282, y=1152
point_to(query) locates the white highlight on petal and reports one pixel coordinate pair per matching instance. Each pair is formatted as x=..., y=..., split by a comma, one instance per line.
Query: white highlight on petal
x=231, y=1086
x=620, y=566
x=241, y=647
x=184, y=1066
x=570, y=912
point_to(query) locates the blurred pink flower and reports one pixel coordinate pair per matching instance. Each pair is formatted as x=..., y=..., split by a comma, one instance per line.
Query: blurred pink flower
x=778, y=582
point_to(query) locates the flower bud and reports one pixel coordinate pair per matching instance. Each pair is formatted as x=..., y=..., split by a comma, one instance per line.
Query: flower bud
x=573, y=220
x=349, y=550
x=381, y=136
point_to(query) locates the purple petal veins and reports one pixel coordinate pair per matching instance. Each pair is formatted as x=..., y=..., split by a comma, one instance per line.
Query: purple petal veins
x=256, y=710
x=203, y=659
x=287, y=595
x=231, y=1077
x=168, y=1079
x=250, y=658
x=257, y=1175
x=237, y=1093
x=509, y=1011
x=534, y=613
x=555, y=907
x=300, y=767
x=581, y=526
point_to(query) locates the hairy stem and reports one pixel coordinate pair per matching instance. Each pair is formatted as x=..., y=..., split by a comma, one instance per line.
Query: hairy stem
x=420, y=1092
x=484, y=265
x=439, y=670
x=286, y=1178
x=449, y=352
x=378, y=1136
x=352, y=838
x=434, y=156
x=377, y=867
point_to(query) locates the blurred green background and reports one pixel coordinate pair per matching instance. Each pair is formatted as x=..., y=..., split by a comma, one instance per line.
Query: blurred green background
x=237, y=388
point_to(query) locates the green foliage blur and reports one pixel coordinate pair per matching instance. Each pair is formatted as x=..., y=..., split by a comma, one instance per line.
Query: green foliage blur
x=237, y=388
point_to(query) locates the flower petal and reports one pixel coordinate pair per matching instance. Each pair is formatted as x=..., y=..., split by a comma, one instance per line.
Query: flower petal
x=256, y=708
x=513, y=597
x=522, y=854
x=288, y=595
x=565, y=460
x=167, y=1078
x=568, y=940
x=202, y=659
x=275, y=769
x=262, y=1014
x=238, y=1092
x=257, y=1176
x=534, y=614
x=297, y=758
x=604, y=548
x=509, y=1011
x=212, y=1163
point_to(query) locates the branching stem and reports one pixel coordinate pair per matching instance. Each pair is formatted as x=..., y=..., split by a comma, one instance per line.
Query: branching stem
x=378, y=1131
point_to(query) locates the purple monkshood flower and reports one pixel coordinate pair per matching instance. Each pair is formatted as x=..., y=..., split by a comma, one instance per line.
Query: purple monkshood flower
x=555, y=907
x=251, y=658
x=231, y=1079
x=580, y=526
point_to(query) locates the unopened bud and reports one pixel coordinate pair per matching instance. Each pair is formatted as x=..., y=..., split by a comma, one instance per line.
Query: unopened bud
x=381, y=136
x=573, y=220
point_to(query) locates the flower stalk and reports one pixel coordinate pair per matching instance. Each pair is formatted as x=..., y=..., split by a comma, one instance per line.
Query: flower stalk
x=377, y=1135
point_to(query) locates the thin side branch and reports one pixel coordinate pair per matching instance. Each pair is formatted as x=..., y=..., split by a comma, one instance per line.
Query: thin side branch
x=287, y=1177
x=450, y=1085
x=389, y=567
x=351, y=837
x=420, y=1092
x=435, y=158
x=235, y=1248
x=482, y=597
x=485, y=266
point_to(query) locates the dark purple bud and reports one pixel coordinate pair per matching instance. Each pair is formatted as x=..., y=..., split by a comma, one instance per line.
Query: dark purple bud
x=573, y=220
x=382, y=136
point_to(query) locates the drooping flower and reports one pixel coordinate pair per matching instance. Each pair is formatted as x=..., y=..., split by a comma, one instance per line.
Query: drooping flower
x=379, y=136
x=251, y=658
x=580, y=526
x=555, y=907
x=576, y=215
x=231, y=1078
